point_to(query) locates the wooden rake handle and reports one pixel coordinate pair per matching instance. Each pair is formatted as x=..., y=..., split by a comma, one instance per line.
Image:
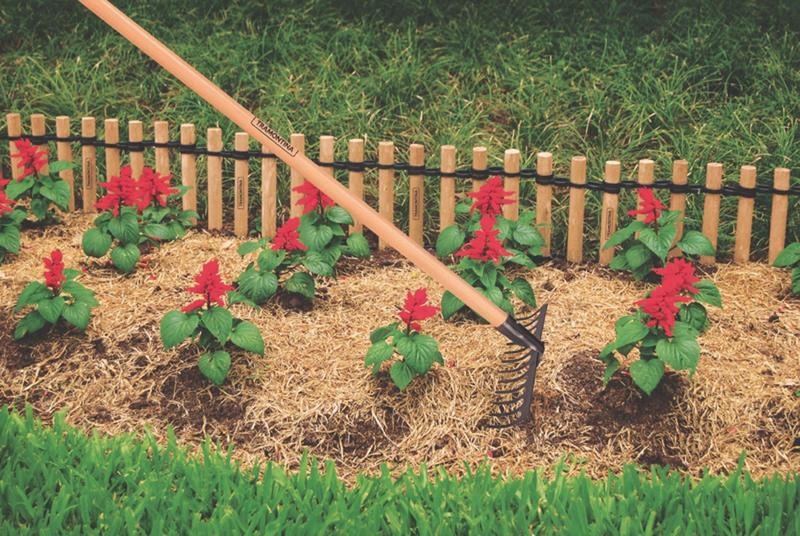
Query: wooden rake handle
x=362, y=212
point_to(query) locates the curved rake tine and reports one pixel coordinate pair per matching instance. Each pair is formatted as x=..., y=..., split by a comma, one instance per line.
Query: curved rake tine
x=515, y=351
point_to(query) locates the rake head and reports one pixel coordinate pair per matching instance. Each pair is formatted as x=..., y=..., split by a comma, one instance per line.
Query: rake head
x=518, y=373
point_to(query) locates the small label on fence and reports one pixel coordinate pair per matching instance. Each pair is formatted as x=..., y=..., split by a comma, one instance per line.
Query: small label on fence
x=415, y=209
x=274, y=136
x=240, y=192
x=609, y=219
x=88, y=165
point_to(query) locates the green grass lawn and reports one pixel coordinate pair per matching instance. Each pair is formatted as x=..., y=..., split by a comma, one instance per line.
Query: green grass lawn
x=59, y=481
x=704, y=81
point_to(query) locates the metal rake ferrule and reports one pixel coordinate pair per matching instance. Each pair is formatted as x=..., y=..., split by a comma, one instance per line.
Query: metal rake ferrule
x=518, y=374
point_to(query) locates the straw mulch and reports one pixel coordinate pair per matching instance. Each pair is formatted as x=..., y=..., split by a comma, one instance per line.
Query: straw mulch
x=312, y=392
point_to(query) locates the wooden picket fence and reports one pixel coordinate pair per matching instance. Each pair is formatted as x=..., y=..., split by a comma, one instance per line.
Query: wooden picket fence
x=386, y=175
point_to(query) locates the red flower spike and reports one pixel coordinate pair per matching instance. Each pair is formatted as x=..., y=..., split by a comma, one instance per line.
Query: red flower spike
x=54, y=270
x=416, y=309
x=649, y=206
x=490, y=198
x=153, y=187
x=6, y=204
x=312, y=197
x=31, y=158
x=209, y=284
x=484, y=246
x=661, y=307
x=678, y=274
x=287, y=238
x=121, y=191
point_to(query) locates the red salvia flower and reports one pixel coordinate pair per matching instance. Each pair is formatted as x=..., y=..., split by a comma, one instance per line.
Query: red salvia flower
x=484, y=246
x=661, y=307
x=287, y=238
x=31, y=158
x=54, y=270
x=649, y=206
x=5, y=203
x=209, y=284
x=121, y=191
x=490, y=198
x=678, y=274
x=153, y=187
x=416, y=309
x=312, y=197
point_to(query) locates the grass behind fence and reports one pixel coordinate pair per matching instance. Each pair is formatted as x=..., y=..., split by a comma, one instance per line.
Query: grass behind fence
x=59, y=481
x=704, y=81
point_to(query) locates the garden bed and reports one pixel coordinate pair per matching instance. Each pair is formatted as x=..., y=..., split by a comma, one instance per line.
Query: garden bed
x=312, y=392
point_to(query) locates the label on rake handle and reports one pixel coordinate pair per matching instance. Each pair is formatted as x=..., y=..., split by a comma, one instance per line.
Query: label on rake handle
x=274, y=136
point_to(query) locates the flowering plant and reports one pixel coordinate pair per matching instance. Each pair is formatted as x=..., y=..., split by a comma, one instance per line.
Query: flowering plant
x=10, y=219
x=790, y=257
x=43, y=190
x=135, y=212
x=210, y=325
x=657, y=232
x=60, y=297
x=665, y=326
x=521, y=239
x=261, y=279
x=418, y=352
x=482, y=263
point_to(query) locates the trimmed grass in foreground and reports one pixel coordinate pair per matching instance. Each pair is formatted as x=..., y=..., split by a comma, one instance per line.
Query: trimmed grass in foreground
x=59, y=481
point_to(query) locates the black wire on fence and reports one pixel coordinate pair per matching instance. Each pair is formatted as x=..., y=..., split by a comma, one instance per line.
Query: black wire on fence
x=734, y=190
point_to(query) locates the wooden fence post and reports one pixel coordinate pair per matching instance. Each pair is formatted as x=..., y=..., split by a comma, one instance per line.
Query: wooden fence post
x=38, y=129
x=296, y=179
x=744, y=216
x=416, y=194
x=511, y=183
x=269, y=194
x=136, y=135
x=711, y=204
x=64, y=153
x=544, y=200
x=241, y=173
x=577, y=202
x=14, y=127
x=189, y=168
x=677, y=200
x=780, y=209
x=89, y=165
x=385, y=184
x=608, y=216
x=161, y=135
x=214, y=200
x=447, y=202
x=355, y=179
x=479, y=163
x=111, y=135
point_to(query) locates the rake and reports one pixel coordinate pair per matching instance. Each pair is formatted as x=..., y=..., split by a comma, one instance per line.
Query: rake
x=519, y=367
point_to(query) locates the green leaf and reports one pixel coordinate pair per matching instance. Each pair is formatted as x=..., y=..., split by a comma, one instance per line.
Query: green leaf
x=58, y=192
x=247, y=337
x=125, y=228
x=789, y=256
x=331, y=254
x=523, y=290
x=17, y=216
x=684, y=330
x=125, y=257
x=301, y=283
x=381, y=333
x=357, y=245
x=695, y=243
x=657, y=242
x=623, y=234
x=401, y=374
x=489, y=276
x=695, y=315
x=339, y=215
x=77, y=314
x=680, y=353
x=504, y=225
x=9, y=239
x=39, y=208
x=158, y=231
x=15, y=189
x=215, y=366
x=270, y=259
x=316, y=237
x=647, y=374
x=527, y=235
x=630, y=330
x=219, y=321
x=60, y=165
x=51, y=308
x=30, y=323
x=377, y=354
x=418, y=350
x=33, y=292
x=520, y=258
x=96, y=243
x=249, y=247
x=619, y=262
x=176, y=327
x=258, y=286
x=315, y=264
x=450, y=304
x=450, y=240
x=612, y=366
x=709, y=293
x=637, y=255
x=80, y=293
